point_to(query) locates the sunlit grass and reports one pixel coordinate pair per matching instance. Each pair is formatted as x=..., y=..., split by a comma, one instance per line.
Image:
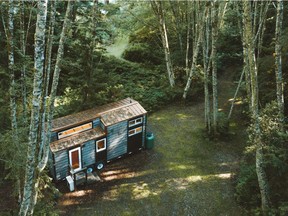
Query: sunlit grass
x=184, y=174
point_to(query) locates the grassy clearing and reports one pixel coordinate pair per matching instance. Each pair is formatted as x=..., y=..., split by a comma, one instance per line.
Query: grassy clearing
x=185, y=174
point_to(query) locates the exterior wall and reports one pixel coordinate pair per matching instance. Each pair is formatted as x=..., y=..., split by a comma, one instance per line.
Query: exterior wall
x=116, y=140
x=88, y=153
x=51, y=164
x=96, y=122
x=61, y=164
x=54, y=136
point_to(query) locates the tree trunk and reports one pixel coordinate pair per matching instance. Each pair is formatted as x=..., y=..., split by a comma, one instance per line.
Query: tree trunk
x=278, y=60
x=214, y=19
x=23, y=67
x=36, y=105
x=12, y=89
x=44, y=159
x=199, y=23
x=159, y=12
x=252, y=66
x=206, y=67
x=188, y=29
x=11, y=65
x=47, y=74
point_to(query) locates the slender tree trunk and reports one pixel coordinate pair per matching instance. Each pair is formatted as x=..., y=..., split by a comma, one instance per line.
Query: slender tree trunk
x=214, y=65
x=47, y=74
x=196, y=45
x=278, y=60
x=23, y=68
x=236, y=92
x=188, y=30
x=159, y=11
x=206, y=67
x=252, y=66
x=36, y=105
x=11, y=65
x=177, y=22
x=12, y=89
x=44, y=159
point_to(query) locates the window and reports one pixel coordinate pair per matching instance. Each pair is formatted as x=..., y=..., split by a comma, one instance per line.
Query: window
x=74, y=130
x=135, y=131
x=75, y=159
x=135, y=121
x=101, y=145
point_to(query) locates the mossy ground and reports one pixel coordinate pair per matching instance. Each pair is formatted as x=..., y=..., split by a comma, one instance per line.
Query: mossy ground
x=184, y=174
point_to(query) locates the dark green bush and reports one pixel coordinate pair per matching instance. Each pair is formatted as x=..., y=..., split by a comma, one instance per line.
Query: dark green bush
x=142, y=53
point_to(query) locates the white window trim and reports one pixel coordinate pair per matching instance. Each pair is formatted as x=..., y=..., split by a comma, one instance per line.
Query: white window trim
x=134, y=131
x=99, y=150
x=134, y=122
x=78, y=130
x=80, y=159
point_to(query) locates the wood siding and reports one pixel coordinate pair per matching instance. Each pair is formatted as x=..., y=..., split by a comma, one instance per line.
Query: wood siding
x=88, y=153
x=96, y=122
x=61, y=164
x=116, y=140
x=51, y=164
x=54, y=136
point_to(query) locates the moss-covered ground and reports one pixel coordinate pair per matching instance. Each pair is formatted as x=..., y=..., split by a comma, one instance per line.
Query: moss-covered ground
x=184, y=174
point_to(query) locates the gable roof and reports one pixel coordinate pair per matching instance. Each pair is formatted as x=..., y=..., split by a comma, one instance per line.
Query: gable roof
x=77, y=139
x=109, y=113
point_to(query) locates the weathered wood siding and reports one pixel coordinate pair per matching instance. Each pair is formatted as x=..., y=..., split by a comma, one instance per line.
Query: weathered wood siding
x=96, y=122
x=88, y=153
x=61, y=164
x=51, y=164
x=54, y=136
x=116, y=140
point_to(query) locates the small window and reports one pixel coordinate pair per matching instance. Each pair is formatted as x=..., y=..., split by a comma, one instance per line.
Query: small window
x=74, y=130
x=135, y=131
x=101, y=145
x=135, y=121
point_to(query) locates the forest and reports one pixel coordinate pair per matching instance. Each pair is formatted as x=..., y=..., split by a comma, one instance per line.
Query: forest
x=211, y=74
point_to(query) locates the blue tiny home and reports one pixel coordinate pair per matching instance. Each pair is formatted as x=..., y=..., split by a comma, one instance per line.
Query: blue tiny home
x=88, y=140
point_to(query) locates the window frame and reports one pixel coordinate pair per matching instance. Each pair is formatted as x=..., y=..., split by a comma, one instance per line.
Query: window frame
x=77, y=129
x=105, y=145
x=79, y=158
x=134, y=131
x=134, y=122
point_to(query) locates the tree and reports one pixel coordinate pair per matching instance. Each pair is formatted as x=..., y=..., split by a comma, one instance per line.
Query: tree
x=253, y=72
x=160, y=13
x=38, y=147
x=36, y=103
x=278, y=60
x=198, y=24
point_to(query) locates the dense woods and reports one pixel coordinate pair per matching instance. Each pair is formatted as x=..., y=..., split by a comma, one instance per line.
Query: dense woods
x=55, y=60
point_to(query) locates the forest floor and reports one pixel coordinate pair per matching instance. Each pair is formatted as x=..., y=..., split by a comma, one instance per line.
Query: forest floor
x=184, y=174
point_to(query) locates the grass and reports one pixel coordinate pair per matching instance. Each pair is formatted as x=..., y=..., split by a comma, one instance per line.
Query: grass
x=184, y=174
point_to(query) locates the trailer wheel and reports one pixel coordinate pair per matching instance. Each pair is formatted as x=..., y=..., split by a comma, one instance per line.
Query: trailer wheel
x=100, y=166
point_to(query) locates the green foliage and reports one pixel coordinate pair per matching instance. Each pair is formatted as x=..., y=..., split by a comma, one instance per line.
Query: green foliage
x=275, y=142
x=142, y=53
x=48, y=196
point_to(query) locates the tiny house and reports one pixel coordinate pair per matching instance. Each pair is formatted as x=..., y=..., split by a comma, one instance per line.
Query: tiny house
x=91, y=138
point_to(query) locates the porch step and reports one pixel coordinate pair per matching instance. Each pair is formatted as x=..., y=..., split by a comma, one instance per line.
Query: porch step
x=93, y=177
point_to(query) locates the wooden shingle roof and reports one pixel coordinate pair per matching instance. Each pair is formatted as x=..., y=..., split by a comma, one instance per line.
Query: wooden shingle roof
x=109, y=113
x=77, y=139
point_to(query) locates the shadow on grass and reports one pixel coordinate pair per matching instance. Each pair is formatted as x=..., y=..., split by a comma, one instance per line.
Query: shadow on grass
x=185, y=174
